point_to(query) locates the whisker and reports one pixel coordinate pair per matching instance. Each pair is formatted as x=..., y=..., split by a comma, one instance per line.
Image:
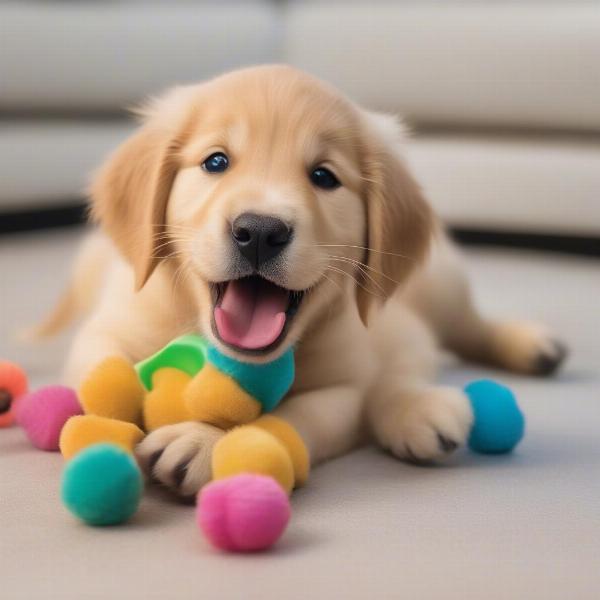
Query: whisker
x=182, y=269
x=181, y=277
x=364, y=248
x=171, y=241
x=333, y=282
x=163, y=245
x=362, y=268
x=362, y=265
x=175, y=254
x=358, y=283
x=175, y=226
x=173, y=237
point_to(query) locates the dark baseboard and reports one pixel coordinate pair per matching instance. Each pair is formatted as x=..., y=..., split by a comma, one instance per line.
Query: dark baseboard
x=76, y=214
x=43, y=218
x=566, y=244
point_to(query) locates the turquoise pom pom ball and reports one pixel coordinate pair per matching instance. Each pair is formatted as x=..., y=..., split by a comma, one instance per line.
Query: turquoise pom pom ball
x=102, y=485
x=498, y=424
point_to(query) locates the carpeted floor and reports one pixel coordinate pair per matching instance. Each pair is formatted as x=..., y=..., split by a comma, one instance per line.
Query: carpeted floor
x=522, y=526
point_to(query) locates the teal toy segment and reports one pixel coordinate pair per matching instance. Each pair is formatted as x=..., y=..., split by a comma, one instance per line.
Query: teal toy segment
x=499, y=424
x=186, y=353
x=268, y=382
x=102, y=485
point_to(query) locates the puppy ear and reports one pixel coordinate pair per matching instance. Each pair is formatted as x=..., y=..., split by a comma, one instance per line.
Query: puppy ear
x=399, y=220
x=130, y=192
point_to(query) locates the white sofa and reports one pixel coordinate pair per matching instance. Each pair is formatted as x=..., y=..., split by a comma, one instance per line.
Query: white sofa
x=504, y=97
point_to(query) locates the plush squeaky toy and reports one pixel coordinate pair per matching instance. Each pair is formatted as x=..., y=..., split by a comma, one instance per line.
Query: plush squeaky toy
x=188, y=380
x=255, y=465
x=223, y=391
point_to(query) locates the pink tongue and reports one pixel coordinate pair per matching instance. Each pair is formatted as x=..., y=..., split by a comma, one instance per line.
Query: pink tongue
x=252, y=313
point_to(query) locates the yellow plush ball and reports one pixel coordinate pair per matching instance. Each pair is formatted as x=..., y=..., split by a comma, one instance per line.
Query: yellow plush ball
x=215, y=398
x=113, y=390
x=292, y=442
x=84, y=430
x=249, y=449
x=164, y=405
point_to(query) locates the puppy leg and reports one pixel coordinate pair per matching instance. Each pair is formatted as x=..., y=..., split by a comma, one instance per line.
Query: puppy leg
x=416, y=421
x=442, y=296
x=411, y=418
x=329, y=420
x=519, y=346
x=93, y=343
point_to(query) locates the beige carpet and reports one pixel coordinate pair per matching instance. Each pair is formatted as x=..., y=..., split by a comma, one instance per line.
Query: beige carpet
x=524, y=526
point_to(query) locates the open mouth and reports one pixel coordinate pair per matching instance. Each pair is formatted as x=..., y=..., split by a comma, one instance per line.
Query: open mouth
x=253, y=314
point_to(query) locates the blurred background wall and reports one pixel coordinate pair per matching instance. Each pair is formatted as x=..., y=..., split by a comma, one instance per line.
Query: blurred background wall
x=503, y=96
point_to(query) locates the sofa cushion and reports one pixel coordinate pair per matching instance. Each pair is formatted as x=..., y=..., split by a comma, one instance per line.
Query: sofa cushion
x=46, y=163
x=104, y=55
x=522, y=184
x=531, y=64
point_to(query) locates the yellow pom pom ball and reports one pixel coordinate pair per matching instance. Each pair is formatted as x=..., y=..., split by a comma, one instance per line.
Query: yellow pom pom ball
x=250, y=449
x=112, y=389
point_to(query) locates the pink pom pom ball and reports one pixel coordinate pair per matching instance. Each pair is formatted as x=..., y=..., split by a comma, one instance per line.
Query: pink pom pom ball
x=243, y=513
x=43, y=413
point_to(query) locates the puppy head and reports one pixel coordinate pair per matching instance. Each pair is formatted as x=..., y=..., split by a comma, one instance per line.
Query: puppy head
x=276, y=195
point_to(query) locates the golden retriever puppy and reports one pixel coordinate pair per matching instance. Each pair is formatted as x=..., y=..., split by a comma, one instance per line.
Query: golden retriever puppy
x=263, y=209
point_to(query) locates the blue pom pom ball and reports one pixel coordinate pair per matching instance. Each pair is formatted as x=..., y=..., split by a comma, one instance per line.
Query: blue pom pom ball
x=498, y=424
x=102, y=485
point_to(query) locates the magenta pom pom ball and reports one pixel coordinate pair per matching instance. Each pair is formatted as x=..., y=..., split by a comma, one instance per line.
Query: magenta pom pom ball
x=243, y=513
x=43, y=413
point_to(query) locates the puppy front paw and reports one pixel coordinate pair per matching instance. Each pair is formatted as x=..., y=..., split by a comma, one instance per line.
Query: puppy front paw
x=180, y=456
x=427, y=425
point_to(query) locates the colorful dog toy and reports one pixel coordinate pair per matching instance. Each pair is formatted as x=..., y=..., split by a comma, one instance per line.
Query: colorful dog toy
x=13, y=384
x=498, y=423
x=223, y=391
x=102, y=485
x=255, y=465
x=243, y=513
x=43, y=413
x=191, y=380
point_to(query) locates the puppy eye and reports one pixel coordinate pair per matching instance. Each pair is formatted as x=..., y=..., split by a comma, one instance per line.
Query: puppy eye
x=324, y=178
x=216, y=163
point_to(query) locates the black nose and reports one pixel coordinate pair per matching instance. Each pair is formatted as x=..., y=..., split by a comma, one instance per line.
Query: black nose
x=260, y=238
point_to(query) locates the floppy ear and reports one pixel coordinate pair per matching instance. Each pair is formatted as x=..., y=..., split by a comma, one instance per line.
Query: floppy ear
x=130, y=193
x=399, y=219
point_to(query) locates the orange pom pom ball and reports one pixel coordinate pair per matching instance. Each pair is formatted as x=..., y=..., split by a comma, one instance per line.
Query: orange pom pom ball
x=13, y=384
